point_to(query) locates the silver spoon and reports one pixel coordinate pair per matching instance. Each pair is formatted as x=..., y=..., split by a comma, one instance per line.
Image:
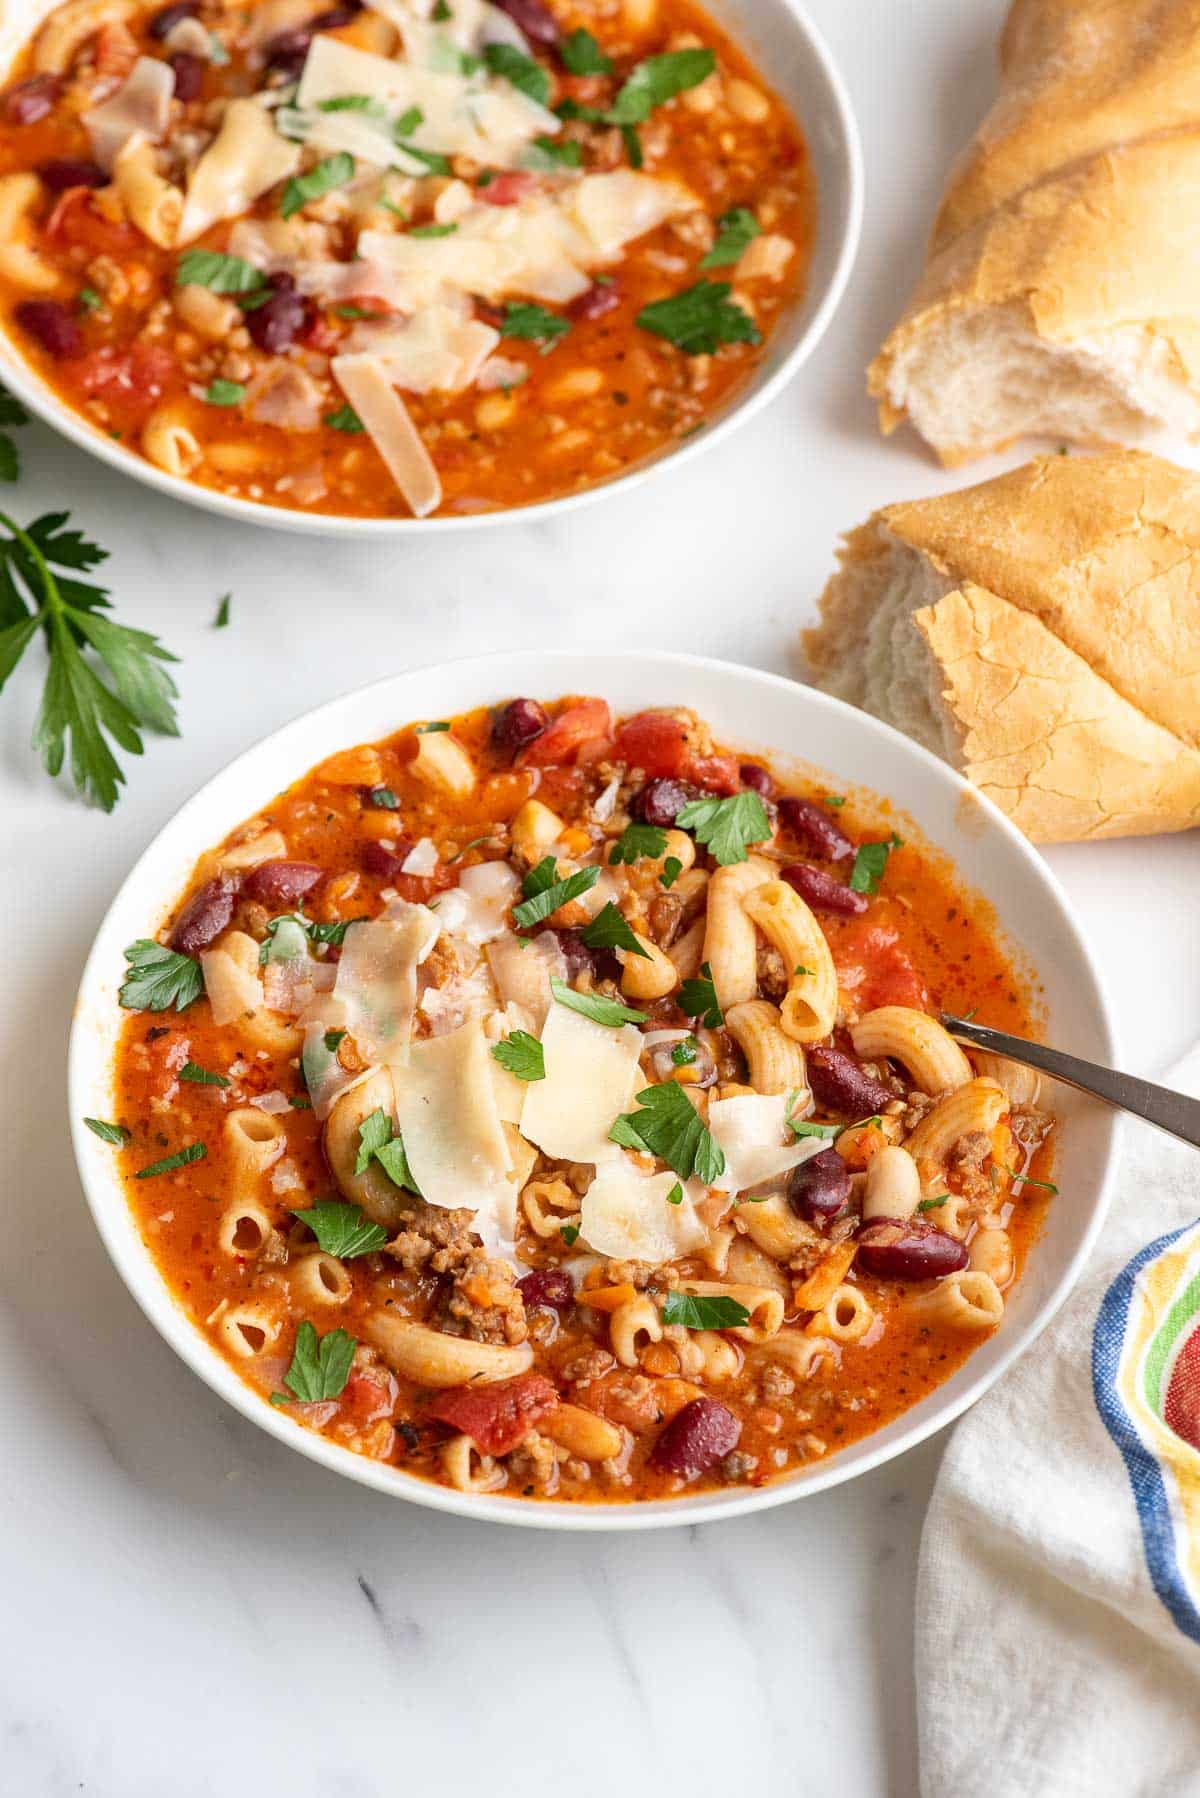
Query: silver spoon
x=1173, y=1112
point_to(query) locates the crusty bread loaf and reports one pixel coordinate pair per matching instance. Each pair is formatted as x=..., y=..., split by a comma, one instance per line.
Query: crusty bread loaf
x=1061, y=294
x=1041, y=632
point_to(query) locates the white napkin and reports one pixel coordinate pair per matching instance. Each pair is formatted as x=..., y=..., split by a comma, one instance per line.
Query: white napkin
x=1058, y=1599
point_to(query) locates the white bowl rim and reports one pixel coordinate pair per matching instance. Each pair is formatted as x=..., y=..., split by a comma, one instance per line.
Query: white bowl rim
x=140, y=1274
x=27, y=385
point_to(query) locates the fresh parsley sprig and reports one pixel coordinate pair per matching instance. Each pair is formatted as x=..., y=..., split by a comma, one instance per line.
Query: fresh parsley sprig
x=669, y=1126
x=700, y=319
x=704, y=1311
x=320, y=1364
x=159, y=978
x=698, y=999
x=379, y=1141
x=342, y=1230
x=870, y=862
x=12, y=412
x=77, y=704
x=609, y=930
x=545, y=891
x=522, y=1055
x=596, y=1006
x=735, y=230
x=726, y=826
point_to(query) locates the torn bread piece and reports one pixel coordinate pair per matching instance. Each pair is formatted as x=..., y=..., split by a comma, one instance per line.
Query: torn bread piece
x=1040, y=632
x=1055, y=301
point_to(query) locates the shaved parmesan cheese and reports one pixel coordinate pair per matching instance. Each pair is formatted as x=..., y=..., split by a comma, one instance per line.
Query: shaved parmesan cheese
x=141, y=103
x=541, y=247
x=453, y=1134
x=461, y=997
x=272, y=1103
x=461, y=115
x=377, y=979
x=324, y=1075
x=752, y=1130
x=365, y=138
x=590, y=1076
x=626, y=1215
x=523, y=970
x=246, y=157
x=365, y=384
x=500, y=371
x=605, y=803
x=439, y=350
x=469, y=25
x=421, y=859
x=476, y=910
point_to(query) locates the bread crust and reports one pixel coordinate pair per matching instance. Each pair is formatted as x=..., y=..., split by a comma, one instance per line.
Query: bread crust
x=1065, y=656
x=1066, y=207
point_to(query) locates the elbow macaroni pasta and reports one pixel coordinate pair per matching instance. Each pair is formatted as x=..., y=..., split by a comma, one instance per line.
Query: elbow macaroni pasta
x=809, y=1011
x=919, y=1042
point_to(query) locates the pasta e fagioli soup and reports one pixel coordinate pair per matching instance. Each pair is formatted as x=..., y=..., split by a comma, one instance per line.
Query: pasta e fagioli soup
x=396, y=259
x=548, y=1103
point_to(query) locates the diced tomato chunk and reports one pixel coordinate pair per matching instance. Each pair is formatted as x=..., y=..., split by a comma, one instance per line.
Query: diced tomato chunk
x=131, y=381
x=875, y=969
x=369, y=1395
x=496, y=1417
x=77, y=222
x=581, y=733
x=664, y=746
x=508, y=188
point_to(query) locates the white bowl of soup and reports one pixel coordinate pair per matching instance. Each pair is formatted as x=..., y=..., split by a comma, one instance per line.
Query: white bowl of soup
x=517, y=1087
x=399, y=263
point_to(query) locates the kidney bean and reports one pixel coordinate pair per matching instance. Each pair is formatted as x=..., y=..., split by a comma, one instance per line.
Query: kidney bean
x=535, y=20
x=32, y=100
x=281, y=883
x=816, y=830
x=697, y=1438
x=819, y=1187
x=163, y=23
x=550, y=1286
x=386, y=864
x=910, y=1250
x=601, y=298
x=69, y=171
x=53, y=326
x=336, y=16
x=189, y=75
x=661, y=801
x=822, y=891
x=839, y=1084
x=757, y=779
x=205, y=916
x=602, y=964
x=276, y=324
x=518, y=723
x=286, y=53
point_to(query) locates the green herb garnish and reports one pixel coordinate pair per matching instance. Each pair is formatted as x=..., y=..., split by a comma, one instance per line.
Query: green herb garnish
x=433, y=230
x=672, y=869
x=609, y=930
x=195, y=1151
x=378, y=1141
x=735, y=230
x=609, y=1012
x=933, y=1204
x=657, y=80
x=700, y=319
x=570, y=1234
x=199, y=1076
x=533, y=324
x=429, y=730
x=320, y=1364
x=218, y=272
x=870, y=862
x=522, y=1055
x=342, y=1230
x=726, y=826
x=345, y=419
x=582, y=54
x=331, y=172
x=545, y=891
x=225, y=393
x=698, y=1311
x=669, y=1126
x=116, y=1134
x=698, y=999
x=159, y=978
x=528, y=76
x=637, y=842
x=222, y=617
x=684, y=1053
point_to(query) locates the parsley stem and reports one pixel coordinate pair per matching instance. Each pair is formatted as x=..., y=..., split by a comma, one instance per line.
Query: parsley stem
x=51, y=607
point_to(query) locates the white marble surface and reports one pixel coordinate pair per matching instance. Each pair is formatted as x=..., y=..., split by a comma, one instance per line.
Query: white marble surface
x=189, y=1606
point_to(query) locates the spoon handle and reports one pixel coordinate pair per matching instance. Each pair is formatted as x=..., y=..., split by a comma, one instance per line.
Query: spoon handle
x=1173, y=1112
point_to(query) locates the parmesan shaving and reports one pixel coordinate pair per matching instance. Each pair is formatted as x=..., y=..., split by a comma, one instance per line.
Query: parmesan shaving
x=439, y=351
x=365, y=384
x=627, y=1215
x=590, y=1076
x=376, y=987
x=421, y=859
x=142, y=103
x=476, y=910
x=751, y=1131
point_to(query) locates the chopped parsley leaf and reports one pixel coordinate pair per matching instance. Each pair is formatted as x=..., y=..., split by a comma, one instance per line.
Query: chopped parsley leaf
x=321, y=179
x=735, y=229
x=669, y=1126
x=609, y=1012
x=383, y=799
x=933, y=1204
x=345, y=419
x=657, y=80
x=320, y=1364
x=89, y=300
x=433, y=230
x=684, y=1052
x=195, y=1151
x=159, y=978
x=116, y=1134
x=570, y=1234
x=222, y=617
x=672, y=869
x=528, y=76
x=224, y=393
x=700, y=319
x=429, y=730
x=342, y=1230
x=609, y=930
x=698, y=999
x=635, y=842
x=522, y=1055
x=703, y=1311
x=545, y=891
x=199, y=1076
x=582, y=54
x=726, y=826
x=378, y=1141
x=870, y=862
x=218, y=272
x=533, y=324
x=675, y=1196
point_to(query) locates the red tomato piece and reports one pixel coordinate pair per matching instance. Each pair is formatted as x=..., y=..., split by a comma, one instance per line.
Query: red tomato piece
x=496, y=1417
x=664, y=746
x=581, y=732
x=132, y=380
x=507, y=188
x=368, y=1396
x=77, y=222
x=875, y=969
